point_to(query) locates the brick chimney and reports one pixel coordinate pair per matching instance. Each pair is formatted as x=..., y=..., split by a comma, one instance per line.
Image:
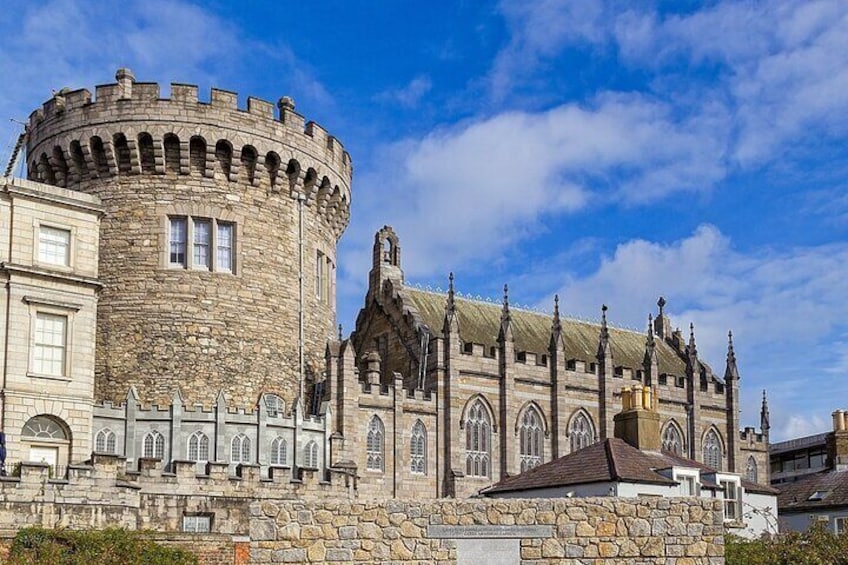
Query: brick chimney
x=837, y=442
x=638, y=423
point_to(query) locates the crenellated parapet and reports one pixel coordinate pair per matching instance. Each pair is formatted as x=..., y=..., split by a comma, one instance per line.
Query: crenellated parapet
x=127, y=129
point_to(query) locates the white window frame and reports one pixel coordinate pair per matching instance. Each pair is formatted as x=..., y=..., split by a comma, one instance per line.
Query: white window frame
x=157, y=446
x=240, y=449
x=45, y=243
x=279, y=451
x=105, y=441
x=310, y=454
x=201, y=447
x=48, y=307
x=212, y=247
x=689, y=481
x=42, y=363
x=732, y=506
x=197, y=524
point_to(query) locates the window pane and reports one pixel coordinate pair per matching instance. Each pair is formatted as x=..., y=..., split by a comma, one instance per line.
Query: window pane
x=49, y=348
x=225, y=247
x=53, y=245
x=177, y=240
x=202, y=241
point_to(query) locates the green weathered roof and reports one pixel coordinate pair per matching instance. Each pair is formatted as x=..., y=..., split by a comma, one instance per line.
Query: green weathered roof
x=480, y=322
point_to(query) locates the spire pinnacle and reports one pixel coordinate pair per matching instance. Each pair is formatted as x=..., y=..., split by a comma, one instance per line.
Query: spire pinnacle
x=557, y=324
x=661, y=303
x=764, y=415
x=650, y=340
x=731, y=354
x=340, y=332
x=505, y=315
x=450, y=307
x=604, y=328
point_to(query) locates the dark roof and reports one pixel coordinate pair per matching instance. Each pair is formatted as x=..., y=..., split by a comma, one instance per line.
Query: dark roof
x=612, y=460
x=832, y=485
x=480, y=322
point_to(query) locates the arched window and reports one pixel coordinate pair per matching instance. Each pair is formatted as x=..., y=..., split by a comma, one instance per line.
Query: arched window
x=153, y=445
x=581, y=431
x=104, y=442
x=278, y=451
x=418, y=449
x=310, y=455
x=672, y=439
x=374, y=445
x=43, y=427
x=530, y=439
x=751, y=470
x=240, y=449
x=274, y=404
x=712, y=450
x=478, y=433
x=198, y=446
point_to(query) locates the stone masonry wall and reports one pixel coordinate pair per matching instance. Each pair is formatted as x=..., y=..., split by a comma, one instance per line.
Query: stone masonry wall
x=605, y=531
x=163, y=327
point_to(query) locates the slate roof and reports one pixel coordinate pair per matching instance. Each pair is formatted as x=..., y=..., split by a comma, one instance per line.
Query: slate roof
x=612, y=460
x=795, y=496
x=480, y=322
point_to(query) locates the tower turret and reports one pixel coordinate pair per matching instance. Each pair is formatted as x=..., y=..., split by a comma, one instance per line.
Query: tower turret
x=218, y=245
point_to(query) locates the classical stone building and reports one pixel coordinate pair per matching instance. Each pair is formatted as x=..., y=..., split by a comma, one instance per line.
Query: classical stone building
x=199, y=329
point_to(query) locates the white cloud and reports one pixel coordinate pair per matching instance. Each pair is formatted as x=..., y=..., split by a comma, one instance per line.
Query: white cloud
x=798, y=425
x=410, y=95
x=787, y=310
x=471, y=190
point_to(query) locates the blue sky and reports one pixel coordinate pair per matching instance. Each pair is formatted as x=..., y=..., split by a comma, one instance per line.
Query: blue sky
x=606, y=151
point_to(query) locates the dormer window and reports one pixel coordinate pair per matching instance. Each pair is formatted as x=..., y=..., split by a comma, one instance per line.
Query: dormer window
x=732, y=499
x=689, y=481
x=818, y=495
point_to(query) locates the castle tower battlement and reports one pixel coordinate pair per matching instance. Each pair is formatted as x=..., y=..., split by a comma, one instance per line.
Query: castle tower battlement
x=218, y=246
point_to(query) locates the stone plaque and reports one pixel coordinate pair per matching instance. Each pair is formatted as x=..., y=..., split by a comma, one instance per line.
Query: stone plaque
x=488, y=532
x=473, y=551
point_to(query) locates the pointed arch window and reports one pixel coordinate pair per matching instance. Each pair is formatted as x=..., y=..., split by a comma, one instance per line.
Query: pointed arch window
x=530, y=439
x=278, y=451
x=104, y=442
x=712, y=450
x=310, y=455
x=672, y=439
x=581, y=431
x=153, y=445
x=478, y=434
x=198, y=446
x=374, y=446
x=240, y=449
x=751, y=471
x=418, y=449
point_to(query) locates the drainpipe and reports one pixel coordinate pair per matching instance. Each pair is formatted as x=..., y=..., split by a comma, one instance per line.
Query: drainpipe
x=300, y=200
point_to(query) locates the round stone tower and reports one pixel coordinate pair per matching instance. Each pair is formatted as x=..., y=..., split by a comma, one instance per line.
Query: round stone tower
x=218, y=248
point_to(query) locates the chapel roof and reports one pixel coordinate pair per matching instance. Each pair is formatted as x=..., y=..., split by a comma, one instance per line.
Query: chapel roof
x=480, y=322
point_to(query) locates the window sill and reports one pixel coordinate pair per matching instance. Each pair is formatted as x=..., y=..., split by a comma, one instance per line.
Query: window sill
x=61, y=378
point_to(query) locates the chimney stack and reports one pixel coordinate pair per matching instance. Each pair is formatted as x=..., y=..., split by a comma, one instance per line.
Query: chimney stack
x=837, y=442
x=638, y=423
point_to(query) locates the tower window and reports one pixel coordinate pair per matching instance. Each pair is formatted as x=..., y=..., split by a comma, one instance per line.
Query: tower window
x=54, y=245
x=48, y=356
x=212, y=244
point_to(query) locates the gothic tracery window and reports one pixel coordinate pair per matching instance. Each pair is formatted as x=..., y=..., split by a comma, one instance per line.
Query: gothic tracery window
x=581, y=432
x=672, y=440
x=418, y=449
x=198, y=446
x=310, y=455
x=240, y=449
x=751, y=469
x=712, y=450
x=153, y=445
x=374, y=444
x=278, y=451
x=478, y=433
x=105, y=441
x=530, y=439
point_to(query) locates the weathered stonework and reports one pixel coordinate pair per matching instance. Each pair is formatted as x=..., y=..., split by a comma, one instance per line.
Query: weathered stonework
x=317, y=522
x=162, y=328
